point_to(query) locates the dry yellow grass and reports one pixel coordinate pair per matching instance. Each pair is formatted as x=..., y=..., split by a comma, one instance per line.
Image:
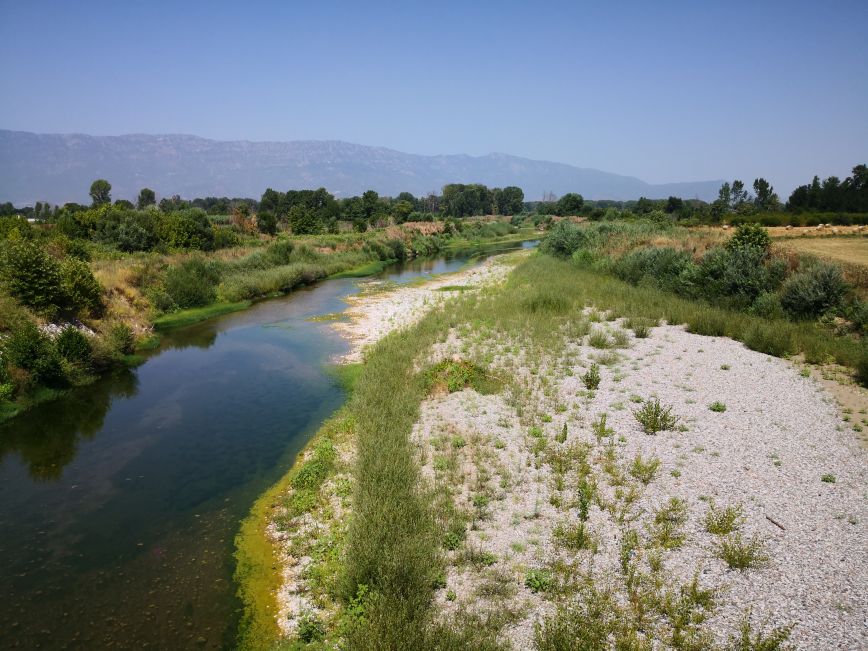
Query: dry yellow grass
x=850, y=249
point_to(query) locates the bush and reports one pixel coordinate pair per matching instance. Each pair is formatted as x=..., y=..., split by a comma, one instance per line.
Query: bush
x=662, y=266
x=31, y=275
x=817, y=289
x=739, y=273
x=655, y=417
x=751, y=235
x=741, y=554
x=310, y=628
x=82, y=292
x=187, y=229
x=192, y=283
x=30, y=349
x=120, y=338
x=74, y=346
x=768, y=306
x=591, y=379
x=564, y=239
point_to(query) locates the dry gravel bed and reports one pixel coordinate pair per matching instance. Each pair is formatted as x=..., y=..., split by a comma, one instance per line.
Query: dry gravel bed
x=768, y=451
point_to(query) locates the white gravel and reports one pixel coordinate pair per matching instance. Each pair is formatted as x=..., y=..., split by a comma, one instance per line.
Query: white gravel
x=779, y=435
x=373, y=316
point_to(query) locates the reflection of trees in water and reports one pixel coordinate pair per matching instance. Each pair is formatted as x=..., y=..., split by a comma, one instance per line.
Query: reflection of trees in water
x=201, y=336
x=46, y=437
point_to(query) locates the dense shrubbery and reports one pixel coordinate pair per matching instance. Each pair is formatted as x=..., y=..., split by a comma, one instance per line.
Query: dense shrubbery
x=741, y=274
x=39, y=281
x=191, y=283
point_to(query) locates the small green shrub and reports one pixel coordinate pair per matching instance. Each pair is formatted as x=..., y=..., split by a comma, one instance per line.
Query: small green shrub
x=591, y=378
x=31, y=275
x=28, y=348
x=310, y=628
x=74, y=346
x=828, y=478
x=807, y=294
x=599, y=339
x=746, y=640
x=655, y=417
x=455, y=375
x=546, y=301
x=81, y=291
x=192, y=283
x=723, y=521
x=750, y=235
x=120, y=338
x=741, y=554
x=575, y=537
x=768, y=305
x=719, y=407
x=644, y=470
x=667, y=528
x=538, y=580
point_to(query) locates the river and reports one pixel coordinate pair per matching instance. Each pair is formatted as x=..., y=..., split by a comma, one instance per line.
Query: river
x=120, y=501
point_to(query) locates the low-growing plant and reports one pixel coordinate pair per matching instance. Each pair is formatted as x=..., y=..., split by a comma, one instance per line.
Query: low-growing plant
x=591, y=378
x=667, y=528
x=655, y=416
x=740, y=554
x=575, y=536
x=644, y=470
x=723, y=521
x=746, y=640
x=600, y=428
x=828, y=478
x=599, y=339
x=717, y=406
x=74, y=346
x=538, y=580
x=310, y=628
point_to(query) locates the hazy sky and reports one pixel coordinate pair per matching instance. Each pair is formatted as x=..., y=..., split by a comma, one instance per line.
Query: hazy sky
x=666, y=91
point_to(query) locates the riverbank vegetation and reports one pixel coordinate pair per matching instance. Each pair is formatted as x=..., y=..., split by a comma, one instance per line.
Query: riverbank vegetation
x=400, y=545
x=108, y=275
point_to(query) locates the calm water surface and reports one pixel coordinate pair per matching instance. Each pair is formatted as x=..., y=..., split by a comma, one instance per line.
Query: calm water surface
x=119, y=502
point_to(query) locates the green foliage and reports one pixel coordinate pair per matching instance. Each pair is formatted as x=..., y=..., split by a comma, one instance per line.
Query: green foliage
x=31, y=275
x=591, y=378
x=310, y=628
x=660, y=266
x=546, y=301
x=741, y=554
x=455, y=375
x=717, y=406
x=766, y=340
x=810, y=292
x=746, y=640
x=74, y=346
x=100, y=192
x=723, y=521
x=15, y=227
x=644, y=470
x=667, y=528
x=750, y=235
x=828, y=478
x=538, y=580
x=192, y=283
x=30, y=349
x=187, y=229
x=655, y=416
x=81, y=291
x=564, y=239
x=768, y=305
x=120, y=338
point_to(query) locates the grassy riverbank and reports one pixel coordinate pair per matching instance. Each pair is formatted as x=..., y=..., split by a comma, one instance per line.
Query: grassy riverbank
x=372, y=524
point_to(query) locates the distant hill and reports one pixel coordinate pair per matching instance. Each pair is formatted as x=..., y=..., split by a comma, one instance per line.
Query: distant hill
x=60, y=168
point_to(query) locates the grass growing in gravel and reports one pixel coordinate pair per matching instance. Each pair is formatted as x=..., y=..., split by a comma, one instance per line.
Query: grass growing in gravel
x=740, y=553
x=655, y=416
x=723, y=521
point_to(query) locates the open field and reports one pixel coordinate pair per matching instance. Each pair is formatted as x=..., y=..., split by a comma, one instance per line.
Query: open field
x=848, y=250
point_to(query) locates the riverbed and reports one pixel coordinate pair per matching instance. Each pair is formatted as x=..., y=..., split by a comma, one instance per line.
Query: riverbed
x=119, y=502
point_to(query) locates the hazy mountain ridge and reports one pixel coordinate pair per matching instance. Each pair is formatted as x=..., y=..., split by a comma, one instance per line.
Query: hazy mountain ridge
x=60, y=167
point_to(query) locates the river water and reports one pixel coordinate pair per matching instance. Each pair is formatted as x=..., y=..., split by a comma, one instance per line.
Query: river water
x=120, y=501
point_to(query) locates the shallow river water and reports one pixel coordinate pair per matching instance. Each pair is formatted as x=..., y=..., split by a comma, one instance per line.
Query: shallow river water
x=119, y=502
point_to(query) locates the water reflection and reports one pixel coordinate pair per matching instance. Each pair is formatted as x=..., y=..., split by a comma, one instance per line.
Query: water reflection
x=47, y=439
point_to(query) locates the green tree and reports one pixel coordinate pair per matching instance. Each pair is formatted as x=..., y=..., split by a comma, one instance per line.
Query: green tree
x=147, y=197
x=765, y=199
x=29, y=274
x=266, y=222
x=570, y=204
x=100, y=192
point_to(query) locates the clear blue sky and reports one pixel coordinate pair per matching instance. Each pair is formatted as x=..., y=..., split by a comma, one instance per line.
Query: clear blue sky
x=666, y=91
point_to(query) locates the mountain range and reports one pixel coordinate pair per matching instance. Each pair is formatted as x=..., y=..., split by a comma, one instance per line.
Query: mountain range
x=60, y=167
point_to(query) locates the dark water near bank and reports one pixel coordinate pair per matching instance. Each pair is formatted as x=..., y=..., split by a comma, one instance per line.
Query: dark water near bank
x=119, y=502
